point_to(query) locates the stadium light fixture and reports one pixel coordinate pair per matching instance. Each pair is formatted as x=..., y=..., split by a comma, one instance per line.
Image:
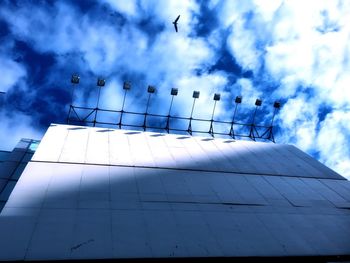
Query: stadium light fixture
x=151, y=89
x=277, y=105
x=126, y=85
x=101, y=82
x=75, y=79
x=258, y=102
x=195, y=94
x=174, y=91
x=217, y=96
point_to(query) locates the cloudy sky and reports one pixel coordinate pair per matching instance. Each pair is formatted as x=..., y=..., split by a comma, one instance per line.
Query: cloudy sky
x=297, y=52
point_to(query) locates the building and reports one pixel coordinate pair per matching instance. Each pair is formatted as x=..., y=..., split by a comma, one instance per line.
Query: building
x=12, y=165
x=97, y=193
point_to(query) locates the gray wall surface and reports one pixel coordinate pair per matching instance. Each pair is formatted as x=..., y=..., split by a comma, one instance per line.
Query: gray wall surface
x=103, y=193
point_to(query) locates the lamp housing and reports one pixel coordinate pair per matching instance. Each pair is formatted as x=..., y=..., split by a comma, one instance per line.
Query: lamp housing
x=258, y=102
x=217, y=96
x=151, y=89
x=174, y=92
x=101, y=82
x=238, y=99
x=75, y=79
x=195, y=94
x=126, y=85
x=277, y=105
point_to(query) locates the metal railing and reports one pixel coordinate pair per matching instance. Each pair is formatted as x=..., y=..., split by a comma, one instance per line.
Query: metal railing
x=91, y=116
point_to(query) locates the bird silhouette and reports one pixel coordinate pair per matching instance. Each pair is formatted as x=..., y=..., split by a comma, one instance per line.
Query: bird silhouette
x=175, y=23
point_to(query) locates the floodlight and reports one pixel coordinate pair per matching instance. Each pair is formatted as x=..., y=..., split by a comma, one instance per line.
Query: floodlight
x=258, y=102
x=174, y=91
x=75, y=79
x=101, y=82
x=238, y=99
x=195, y=94
x=151, y=89
x=217, y=96
x=126, y=85
x=277, y=105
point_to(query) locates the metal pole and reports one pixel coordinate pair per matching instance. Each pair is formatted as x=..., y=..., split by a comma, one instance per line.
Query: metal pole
x=68, y=117
x=72, y=94
x=98, y=96
x=71, y=103
x=189, y=129
x=96, y=109
x=144, y=121
x=273, y=116
x=232, y=133
x=269, y=130
x=271, y=127
x=171, y=104
x=211, y=131
x=194, y=101
x=252, y=126
x=167, y=127
x=122, y=111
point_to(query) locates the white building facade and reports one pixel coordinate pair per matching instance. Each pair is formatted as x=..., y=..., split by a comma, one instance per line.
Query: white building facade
x=97, y=193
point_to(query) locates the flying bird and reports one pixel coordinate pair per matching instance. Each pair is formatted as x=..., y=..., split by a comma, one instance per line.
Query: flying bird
x=175, y=23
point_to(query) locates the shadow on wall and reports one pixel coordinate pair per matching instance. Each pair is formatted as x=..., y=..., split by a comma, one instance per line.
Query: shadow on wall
x=205, y=180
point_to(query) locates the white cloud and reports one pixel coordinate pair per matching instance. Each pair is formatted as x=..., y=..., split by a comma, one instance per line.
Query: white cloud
x=128, y=8
x=164, y=60
x=248, y=91
x=15, y=126
x=299, y=123
x=333, y=141
x=267, y=9
x=105, y=46
x=207, y=85
x=241, y=44
x=11, y=72
x=303, y=47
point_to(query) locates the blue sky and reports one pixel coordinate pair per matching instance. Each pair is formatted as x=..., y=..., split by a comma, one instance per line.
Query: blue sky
x=297, y=52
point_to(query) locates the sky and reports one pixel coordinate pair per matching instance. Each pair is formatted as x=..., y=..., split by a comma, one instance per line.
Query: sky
x=296, y=52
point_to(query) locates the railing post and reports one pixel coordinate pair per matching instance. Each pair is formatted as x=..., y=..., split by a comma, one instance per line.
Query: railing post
x=211, y=129
x=258, y=103
x=100, y=83
x=173, y=93
x=195, y=96
x=126, y=87
x=150, y=91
